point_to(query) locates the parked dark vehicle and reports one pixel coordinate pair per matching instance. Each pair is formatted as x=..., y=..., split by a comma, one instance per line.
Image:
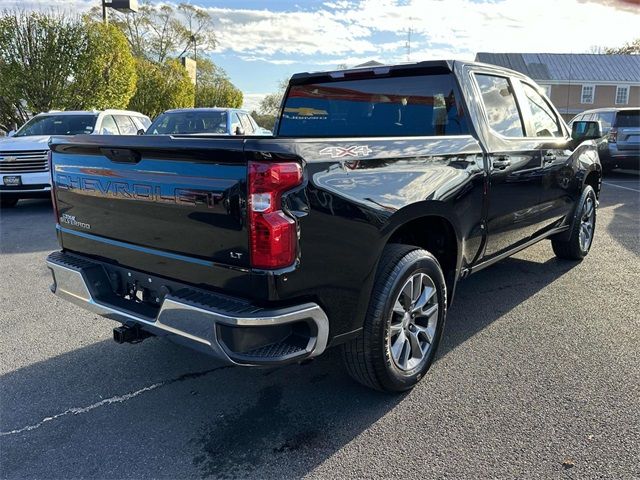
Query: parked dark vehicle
x=383, y=188
x=619, y=136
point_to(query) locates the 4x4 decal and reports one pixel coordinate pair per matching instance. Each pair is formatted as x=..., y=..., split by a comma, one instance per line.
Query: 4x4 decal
x=352, y=151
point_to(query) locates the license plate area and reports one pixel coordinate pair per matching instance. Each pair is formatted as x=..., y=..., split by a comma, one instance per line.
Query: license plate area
x=144, y=293
x=135, y=288
x=12, y=180
x=118, y=288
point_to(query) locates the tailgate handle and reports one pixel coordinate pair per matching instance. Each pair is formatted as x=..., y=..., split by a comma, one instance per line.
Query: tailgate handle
x=121, y=155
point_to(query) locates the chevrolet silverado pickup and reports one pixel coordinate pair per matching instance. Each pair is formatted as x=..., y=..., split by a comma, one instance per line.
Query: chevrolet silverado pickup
x=381, y=189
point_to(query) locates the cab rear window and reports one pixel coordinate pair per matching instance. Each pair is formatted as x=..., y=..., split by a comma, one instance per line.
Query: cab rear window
x=425, y=105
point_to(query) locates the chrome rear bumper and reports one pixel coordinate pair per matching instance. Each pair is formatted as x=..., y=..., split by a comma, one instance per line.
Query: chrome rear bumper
x=193, y=317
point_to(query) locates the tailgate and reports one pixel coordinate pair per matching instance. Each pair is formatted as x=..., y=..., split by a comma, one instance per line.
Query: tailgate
x=628, y=126
x=629, y=138
x=173, y=197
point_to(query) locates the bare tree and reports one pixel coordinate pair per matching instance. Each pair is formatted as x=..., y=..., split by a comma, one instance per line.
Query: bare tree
x=629, y=48
x=158, y=32
x=270, y=104
x=197, y=28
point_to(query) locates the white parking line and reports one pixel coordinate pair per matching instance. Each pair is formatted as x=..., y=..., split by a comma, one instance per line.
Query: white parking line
x=620, y=186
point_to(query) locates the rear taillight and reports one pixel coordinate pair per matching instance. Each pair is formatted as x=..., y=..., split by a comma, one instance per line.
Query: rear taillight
x=53, y=193
x=613, y=135
x=272, y=233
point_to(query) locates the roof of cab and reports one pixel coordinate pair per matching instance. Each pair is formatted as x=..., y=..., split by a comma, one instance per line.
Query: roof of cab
x=610, y=109
x=446, y=65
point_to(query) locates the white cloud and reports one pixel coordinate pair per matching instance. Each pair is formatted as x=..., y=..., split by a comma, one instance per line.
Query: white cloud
x=350, y=62
x=340, y=4
x=263, y=32
x=508, y=25
x=451, y=29
x=377, y=28
x=251, y=101
x=274, y=61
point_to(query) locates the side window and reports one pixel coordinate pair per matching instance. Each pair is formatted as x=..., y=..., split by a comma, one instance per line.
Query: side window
x=543, y=118
x=246, y=124
x=165, y=125
x=125, y=125
x=606, y=120
x=500, y=104
x=109, y=126
x=235, y=123
x=137, y=121
x=253, y=123
x=141, y=122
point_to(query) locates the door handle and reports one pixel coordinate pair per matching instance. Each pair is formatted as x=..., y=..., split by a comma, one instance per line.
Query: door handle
x=500, y=163
x=549, y=158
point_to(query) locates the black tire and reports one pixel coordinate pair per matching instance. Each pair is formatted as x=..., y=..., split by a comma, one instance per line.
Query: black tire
x=8, y=202
x=368, y=358
x=572, y=248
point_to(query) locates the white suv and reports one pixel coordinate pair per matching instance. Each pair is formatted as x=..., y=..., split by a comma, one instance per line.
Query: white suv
x=24, y=169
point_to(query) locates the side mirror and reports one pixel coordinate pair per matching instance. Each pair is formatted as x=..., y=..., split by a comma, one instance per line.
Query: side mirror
x=239, y=130
x=585, y=130
x=140, y=132
x=11, y=133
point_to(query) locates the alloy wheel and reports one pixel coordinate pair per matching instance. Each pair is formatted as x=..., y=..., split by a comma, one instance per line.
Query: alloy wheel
x=587, y=223
x=414, y=320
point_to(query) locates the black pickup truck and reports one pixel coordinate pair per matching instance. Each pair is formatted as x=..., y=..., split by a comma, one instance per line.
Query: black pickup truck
x=381, y=189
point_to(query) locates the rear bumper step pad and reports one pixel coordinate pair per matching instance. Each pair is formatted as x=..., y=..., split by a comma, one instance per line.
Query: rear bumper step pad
x=194, y=317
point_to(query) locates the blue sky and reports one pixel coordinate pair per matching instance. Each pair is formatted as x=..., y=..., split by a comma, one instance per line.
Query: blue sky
x=261, y=42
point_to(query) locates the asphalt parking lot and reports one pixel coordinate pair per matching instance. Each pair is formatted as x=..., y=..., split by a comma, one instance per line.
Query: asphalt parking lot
x=538, y=377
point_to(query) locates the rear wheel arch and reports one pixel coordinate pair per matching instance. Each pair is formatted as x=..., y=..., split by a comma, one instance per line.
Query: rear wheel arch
x=436, y=234
x=588, y=168
x=594, y=179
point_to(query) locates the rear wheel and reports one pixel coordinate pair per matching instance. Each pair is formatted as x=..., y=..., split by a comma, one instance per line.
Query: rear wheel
x=404, y=322
x=582, y=230
x=8, y=202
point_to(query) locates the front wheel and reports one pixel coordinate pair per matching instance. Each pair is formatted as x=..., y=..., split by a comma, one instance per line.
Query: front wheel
x=404, y=321
x=582, y=229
